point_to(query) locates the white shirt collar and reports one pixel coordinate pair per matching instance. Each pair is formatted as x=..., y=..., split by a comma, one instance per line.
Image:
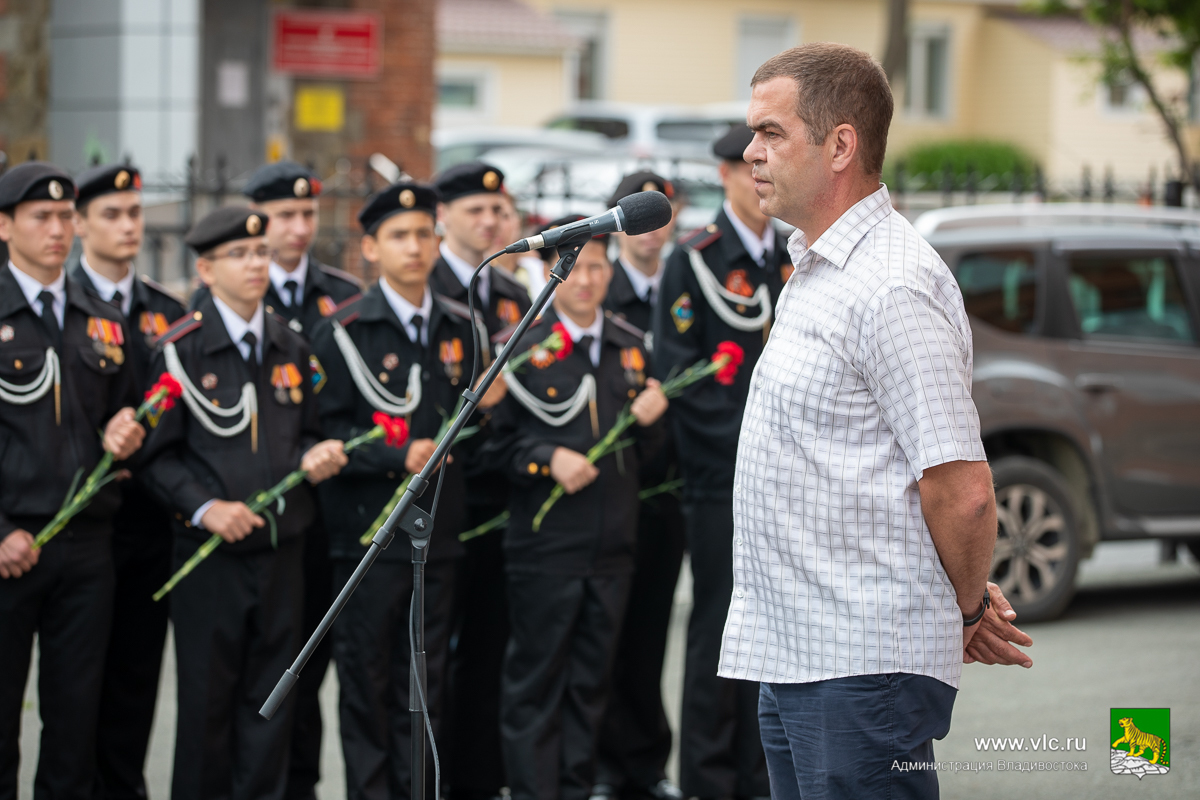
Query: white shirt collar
x=837, y=243
x=405, y=311
x=280, y=276
x=463, y=270
x=31, y=287
x=645, y=286
x=106, y=288
x=757, y=246
x=594, y=330
x=237, y=327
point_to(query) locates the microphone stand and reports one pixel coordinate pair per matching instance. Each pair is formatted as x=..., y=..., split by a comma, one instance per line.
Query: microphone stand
x=418, y=524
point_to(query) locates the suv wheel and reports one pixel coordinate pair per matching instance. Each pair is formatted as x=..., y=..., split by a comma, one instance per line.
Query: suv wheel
x=1037, y=542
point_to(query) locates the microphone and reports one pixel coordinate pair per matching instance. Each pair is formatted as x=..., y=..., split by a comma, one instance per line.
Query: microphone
x=638, y=213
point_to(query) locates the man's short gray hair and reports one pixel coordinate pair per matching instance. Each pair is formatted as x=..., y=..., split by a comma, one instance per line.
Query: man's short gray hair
x=837, y=85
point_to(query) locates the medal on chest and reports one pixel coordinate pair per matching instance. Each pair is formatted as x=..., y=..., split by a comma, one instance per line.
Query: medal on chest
x=286, y=380
x=451, y=354
x=152, y=325
x=634, y=364
x=326, y=305
x=107, y=338
x=508, y=311
x=6, y=333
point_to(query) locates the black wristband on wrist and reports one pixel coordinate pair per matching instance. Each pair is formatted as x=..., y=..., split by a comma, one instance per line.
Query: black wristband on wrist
x=987, y=603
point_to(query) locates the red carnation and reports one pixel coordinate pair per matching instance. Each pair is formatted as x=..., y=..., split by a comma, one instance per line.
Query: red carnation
x=732, y=355
x=567, y=345
x=395, y=429
x=173, y=389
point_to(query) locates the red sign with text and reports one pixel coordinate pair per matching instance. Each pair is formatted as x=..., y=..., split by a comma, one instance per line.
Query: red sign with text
x=331, y=44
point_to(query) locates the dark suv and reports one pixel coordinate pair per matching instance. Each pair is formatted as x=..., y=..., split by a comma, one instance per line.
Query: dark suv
x=1086, y=323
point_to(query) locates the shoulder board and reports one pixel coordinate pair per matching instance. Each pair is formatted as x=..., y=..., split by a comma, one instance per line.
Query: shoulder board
x=182, y=327
x=452, y=306
x=625, y=325
x=341, y=275
x=157, y=287
x=347, y=310
x=701, y=237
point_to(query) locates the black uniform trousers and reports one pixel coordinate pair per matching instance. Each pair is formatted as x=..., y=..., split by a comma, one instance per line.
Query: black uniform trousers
x=720, y=752
x=237, y=628
x=66, y=599
x=141, y=551
x=556, y=678
x=371, y=649
x=476, y=757
x=304, y=770
x=635, y=739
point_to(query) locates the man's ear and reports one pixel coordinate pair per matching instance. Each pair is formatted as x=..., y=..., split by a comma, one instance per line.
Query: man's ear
x=6, y=222
x=844, y=141
x=204, y=269
x=369, y=248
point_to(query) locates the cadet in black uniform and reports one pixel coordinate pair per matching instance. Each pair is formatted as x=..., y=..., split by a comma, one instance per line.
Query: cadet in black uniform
x=109, y=223
x=568, y=583
x=720, y=284
x=65, y=377
x=302, y=292
x=469, y=213
x=246, y=420
x=635, y=739
x=407, y=354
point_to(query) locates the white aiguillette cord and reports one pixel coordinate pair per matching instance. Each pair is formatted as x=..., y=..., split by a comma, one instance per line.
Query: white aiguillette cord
x=23, y=395
x=370, y=388
x=554, y=414
x=717, y=295
x=198, y=404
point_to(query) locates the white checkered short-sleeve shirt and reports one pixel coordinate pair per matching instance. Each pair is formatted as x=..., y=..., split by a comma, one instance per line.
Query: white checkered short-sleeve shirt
x=864, y=383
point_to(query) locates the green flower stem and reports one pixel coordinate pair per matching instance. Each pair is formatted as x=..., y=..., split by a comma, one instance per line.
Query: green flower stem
x=94, y=483
x=258, y=503
x=666, y=487
x=671, y=388
x=498, y=521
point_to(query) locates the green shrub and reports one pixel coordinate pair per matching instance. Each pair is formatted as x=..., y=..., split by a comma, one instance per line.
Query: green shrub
x=994, y=165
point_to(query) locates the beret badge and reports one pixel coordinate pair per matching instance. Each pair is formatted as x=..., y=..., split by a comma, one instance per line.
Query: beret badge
x=56, y=190
x=407, y=198
x=121, y=181
x=301, y=188
x=491, y=181
x=253, y=225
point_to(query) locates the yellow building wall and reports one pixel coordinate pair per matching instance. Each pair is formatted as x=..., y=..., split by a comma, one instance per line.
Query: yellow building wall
x=524, y=90
x=685, y=51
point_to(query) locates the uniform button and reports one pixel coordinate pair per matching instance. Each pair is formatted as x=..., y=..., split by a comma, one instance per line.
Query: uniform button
x=178, y=516
x=383, y=377
x=533, y=468
x=270, y=310
x=632, y=393
x=391, y=474
x=19, y=364
x=103, y=363
x=545, y=470
x=551, y=392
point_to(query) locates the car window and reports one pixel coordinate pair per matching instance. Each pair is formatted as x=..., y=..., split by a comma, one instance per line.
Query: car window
x=1129, y=297
x=610, y=127
x=690, y=130
x=1000, y=288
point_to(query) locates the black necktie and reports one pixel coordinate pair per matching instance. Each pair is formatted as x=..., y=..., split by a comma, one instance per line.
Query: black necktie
x=584, y=346
x=49, y=320
x=292, y=287
x=116, y=300
x=249, y=338
x=417, y=322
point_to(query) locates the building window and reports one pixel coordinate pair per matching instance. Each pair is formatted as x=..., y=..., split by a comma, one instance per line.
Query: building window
x=590, y=63
x=459, y=93
x=928, y=76
x=1120, y=94
x=464, y=95
x=759, y=38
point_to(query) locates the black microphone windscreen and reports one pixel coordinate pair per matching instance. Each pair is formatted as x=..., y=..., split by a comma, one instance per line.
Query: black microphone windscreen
x=645, y=212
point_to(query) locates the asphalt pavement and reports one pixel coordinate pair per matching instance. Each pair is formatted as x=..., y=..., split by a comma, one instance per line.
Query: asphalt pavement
x=1131, y=639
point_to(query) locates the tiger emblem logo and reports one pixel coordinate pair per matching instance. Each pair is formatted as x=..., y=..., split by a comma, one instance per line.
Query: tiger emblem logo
x=1140, y=741
x=1142, y=747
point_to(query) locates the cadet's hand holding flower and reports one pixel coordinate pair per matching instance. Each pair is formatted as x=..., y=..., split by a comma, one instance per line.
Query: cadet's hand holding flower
x=124, y=434
x=324, y=460
x=650, y=405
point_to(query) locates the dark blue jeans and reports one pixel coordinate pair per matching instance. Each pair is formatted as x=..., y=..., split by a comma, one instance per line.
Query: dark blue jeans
x=838, y=739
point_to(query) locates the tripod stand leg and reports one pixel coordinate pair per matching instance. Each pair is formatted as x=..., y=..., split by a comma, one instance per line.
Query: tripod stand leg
x=418, y=679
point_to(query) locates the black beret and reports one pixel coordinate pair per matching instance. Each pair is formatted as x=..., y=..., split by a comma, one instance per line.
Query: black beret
x=225, y=225
x=644, y=181
x=551, y=253
x=396, y=199
x=731, y=146
x=105, y=179
x=283, y=180
x=34, y=180
x=473, y=177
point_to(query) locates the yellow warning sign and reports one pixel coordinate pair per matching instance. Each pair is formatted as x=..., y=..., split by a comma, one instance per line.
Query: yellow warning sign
x=320, y=108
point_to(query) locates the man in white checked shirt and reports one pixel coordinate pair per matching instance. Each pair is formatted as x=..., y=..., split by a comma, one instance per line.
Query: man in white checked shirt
x=864, y=515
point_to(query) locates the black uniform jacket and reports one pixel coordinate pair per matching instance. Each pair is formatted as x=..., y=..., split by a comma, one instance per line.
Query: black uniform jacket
x=623, y=301
x=39, y=458
x=593, y=531
x=186, y=465
x=324, y=289
x=352, y=500
x=707, y=418
x=508, y=301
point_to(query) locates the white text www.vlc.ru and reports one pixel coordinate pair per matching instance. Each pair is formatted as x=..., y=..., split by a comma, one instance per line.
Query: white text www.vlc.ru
x=1043, y=743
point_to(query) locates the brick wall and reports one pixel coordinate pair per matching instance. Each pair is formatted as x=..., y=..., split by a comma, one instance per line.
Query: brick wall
x=24, y=78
